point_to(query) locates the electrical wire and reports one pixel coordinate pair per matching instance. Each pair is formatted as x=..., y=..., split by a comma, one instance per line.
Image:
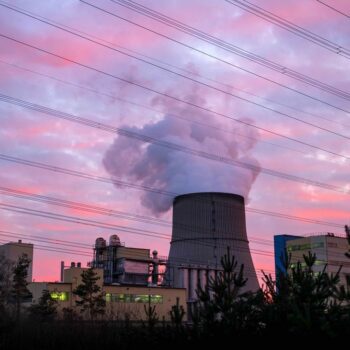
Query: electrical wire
x=182, y=27
x=169, y=145
x=220, y=59
x=333, y=8
x=201, y=107
x=256, y=104
x=290, y=27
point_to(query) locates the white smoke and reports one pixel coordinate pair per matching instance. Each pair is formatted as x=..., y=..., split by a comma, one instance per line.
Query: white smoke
x=178, y=172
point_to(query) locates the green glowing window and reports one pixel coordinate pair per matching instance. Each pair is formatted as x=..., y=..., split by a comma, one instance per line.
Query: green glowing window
x=134, y=298
x=60, y=296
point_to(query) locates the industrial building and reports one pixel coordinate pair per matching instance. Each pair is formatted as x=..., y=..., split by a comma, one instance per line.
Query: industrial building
x=13, y=250
x=126, y=265
x=122, y=301
x=329, y=249
x=204, y=226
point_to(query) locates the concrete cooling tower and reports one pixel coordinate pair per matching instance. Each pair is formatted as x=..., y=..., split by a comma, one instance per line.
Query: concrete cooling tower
x=204, y=225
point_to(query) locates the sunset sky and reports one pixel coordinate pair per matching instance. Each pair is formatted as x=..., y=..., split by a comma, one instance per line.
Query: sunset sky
x=283, y=141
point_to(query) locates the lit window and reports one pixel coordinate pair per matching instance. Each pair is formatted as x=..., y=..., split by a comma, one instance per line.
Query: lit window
x=60, y=296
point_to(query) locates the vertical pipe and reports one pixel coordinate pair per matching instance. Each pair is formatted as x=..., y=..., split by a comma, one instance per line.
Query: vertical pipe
x=62, y=268
x=194, y=281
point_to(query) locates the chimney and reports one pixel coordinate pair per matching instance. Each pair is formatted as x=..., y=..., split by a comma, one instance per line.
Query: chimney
x=79, y=264
x=72, y=264
x=19, y=241
x=62, y=268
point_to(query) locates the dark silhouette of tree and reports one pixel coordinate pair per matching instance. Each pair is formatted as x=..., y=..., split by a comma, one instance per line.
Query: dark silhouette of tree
x=223, y=308
x=6, y=269
x=20, y=292
x=45, y=309
x=151, y=314
x=91, y=299
x=177, y=314
x=304, y=298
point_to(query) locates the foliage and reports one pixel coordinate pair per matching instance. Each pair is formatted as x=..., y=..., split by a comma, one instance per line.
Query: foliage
x=223, y=307
x=91, y=299
x=301, y=303
x=6, y=268
x=177, y=314
x=45, y=309
x=151, y=314
x=19, y=291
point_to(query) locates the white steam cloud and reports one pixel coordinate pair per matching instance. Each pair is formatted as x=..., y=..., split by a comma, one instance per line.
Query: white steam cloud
x=178, y=172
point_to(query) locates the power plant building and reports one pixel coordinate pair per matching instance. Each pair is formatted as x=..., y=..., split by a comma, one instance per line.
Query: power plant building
x=204, y=226
x=13, y=250
x=125, y=265
x=330, y=252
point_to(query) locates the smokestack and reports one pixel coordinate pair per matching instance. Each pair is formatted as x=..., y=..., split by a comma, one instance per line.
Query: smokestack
x=204, y=225
x=62, y=269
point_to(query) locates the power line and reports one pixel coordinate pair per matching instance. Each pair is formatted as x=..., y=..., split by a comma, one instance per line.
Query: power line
x=173, y=98
x=194, y=122
x=291, y=27
x=219, y=59
x=187, y=72
x=333, y=8
x=285, y=115
x=74, y=219
x=169, y=145
x=141, y=218
x=182, y=27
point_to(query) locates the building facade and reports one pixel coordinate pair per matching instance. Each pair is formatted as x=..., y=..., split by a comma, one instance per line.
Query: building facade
x=329, y=249
x=122, y=301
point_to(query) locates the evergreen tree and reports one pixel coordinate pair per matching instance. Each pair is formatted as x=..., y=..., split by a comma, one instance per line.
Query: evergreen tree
x=303, y=301
x=6, y=268
x=45, y=309
x=223, y=308
x=177, y=314
x=89, y=292
x=20, y=292
x=151, y=314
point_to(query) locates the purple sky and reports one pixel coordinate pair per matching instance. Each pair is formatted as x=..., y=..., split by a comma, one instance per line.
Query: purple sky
x=83, y=92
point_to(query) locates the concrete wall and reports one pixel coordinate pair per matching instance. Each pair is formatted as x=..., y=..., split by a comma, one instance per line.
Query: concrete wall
x=13, y=250
x=121, y=301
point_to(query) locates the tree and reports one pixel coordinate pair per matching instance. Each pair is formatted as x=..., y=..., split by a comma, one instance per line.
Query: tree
x=223, y=308
x=92, y=299
x=302, y=302
x=177, y=314
x=6, y=268
x=20, y=292
x=151, y=314
x=45, y=309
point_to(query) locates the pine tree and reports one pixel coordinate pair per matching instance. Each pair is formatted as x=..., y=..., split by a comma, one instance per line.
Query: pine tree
x=20, y=292
x=6, y=269
x=177, y=314
x=151, y=314
x=45, y=309
x=223, y=308
x=89, y=292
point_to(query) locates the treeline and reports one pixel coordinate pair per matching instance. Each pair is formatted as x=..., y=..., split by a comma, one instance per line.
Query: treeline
x=300, y=304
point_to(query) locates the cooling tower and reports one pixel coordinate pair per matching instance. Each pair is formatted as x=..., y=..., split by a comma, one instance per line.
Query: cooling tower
x=204, y=225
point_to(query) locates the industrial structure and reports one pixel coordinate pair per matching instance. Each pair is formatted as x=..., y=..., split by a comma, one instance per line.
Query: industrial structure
x=204, y=226
x=329, y=249
x=13, y=250
x=122, y=301
x=126, y=265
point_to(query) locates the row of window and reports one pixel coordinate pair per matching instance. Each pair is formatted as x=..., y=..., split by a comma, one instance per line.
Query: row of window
x=117, y=298
x=134, y=298
x=306, y=246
